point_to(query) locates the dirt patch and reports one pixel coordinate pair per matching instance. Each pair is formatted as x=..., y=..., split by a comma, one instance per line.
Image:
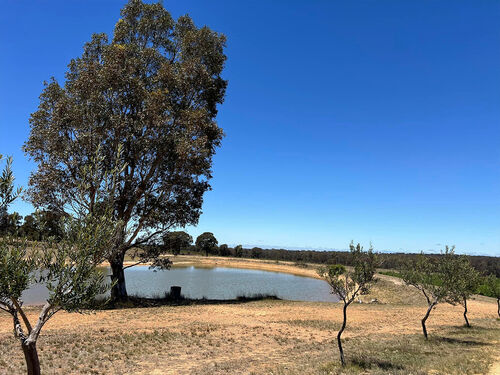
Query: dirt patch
x=264, y=337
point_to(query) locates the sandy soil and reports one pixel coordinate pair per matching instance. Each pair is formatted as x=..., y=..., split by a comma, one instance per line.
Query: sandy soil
x=258, y=337
x=265, y=337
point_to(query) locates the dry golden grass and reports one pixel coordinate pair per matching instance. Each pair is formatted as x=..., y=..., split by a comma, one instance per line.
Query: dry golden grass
x=265, y=337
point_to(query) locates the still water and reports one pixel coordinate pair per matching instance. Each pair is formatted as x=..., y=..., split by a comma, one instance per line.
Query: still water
x=213, y=283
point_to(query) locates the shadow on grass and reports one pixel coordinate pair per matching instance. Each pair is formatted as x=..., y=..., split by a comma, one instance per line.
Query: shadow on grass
x=361, y=364
x=465, y=329
x=366, y=363
x=168, y=300
x=451, y=340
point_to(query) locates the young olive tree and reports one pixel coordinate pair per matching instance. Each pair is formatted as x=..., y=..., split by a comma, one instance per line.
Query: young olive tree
x=154, y=89
x=491, y=287
x=348, y=284
x=68, y=268
x=8, y=193
x=464, y=281
x=432, y=276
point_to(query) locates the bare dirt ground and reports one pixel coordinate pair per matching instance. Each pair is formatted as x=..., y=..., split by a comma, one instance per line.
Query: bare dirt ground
x=266, y=337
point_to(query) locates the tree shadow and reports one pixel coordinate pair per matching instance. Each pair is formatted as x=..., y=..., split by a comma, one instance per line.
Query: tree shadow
x=452, y=340
x=140, y=302
x=463, y=328
x=369, y=362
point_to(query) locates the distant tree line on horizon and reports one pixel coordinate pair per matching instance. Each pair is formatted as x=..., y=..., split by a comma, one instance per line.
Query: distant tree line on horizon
x=483, y=264
x=42, y=225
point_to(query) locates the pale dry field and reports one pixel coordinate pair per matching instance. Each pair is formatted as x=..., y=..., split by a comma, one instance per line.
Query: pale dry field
x=266, y=337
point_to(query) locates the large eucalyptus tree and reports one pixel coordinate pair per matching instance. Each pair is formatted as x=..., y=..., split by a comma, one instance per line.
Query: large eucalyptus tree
x=153, y=90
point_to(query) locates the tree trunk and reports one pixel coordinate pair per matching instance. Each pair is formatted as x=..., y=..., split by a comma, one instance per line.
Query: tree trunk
x=119, y=288
x=498, y=305
x=31, y=357
x=342, y=359
x=425, y=319
x=465, y=313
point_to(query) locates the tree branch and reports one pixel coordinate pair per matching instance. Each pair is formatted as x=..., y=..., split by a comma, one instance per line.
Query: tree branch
x=42, y=319
x=23, y=315
x=18, y=329
x=135, y=264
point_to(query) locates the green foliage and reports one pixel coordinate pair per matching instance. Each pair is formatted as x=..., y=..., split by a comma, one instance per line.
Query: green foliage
x=449, y=277
x=153, y=90
x=206, y=242
x=464, y=280
x=335, y=271
x=16, y=265
x=16, y=268
x=484, y=264
x=432, y=276
x=490, y=286
x=42, y=225
x=224, y=250
x=176, y=241
x=391, y=273
x=483, y=287
x=348, y=284
x=256, y=252
x=69, y=268
x=8, y=193
x=238, y=251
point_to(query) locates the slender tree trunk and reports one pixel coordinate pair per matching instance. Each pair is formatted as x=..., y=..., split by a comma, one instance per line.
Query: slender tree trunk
x=424, y=328
x=498, y=306
x=342, y=359
x=31, y=357
x=465, y=313
x=119, y=288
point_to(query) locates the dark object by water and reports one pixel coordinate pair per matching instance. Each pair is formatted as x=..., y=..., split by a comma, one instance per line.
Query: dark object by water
x=175, y=292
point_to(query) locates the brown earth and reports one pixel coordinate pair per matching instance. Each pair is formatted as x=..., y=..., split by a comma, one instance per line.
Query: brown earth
x=266, y=337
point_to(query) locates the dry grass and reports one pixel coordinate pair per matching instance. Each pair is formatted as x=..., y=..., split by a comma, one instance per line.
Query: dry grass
x=265, y=337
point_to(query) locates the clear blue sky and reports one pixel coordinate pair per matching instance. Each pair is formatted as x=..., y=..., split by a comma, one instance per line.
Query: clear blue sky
x=366, y=120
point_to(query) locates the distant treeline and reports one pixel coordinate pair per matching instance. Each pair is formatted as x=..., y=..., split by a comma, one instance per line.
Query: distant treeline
x=484, y=264
x=41, y=225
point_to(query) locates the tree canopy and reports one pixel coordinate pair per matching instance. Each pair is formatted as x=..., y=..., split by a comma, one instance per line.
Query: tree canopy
x=206, y=242
x=348, y=284
x=464, y=281
x=434, y=278
x=68, y=269
x=176, y=241
x=151, y=91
